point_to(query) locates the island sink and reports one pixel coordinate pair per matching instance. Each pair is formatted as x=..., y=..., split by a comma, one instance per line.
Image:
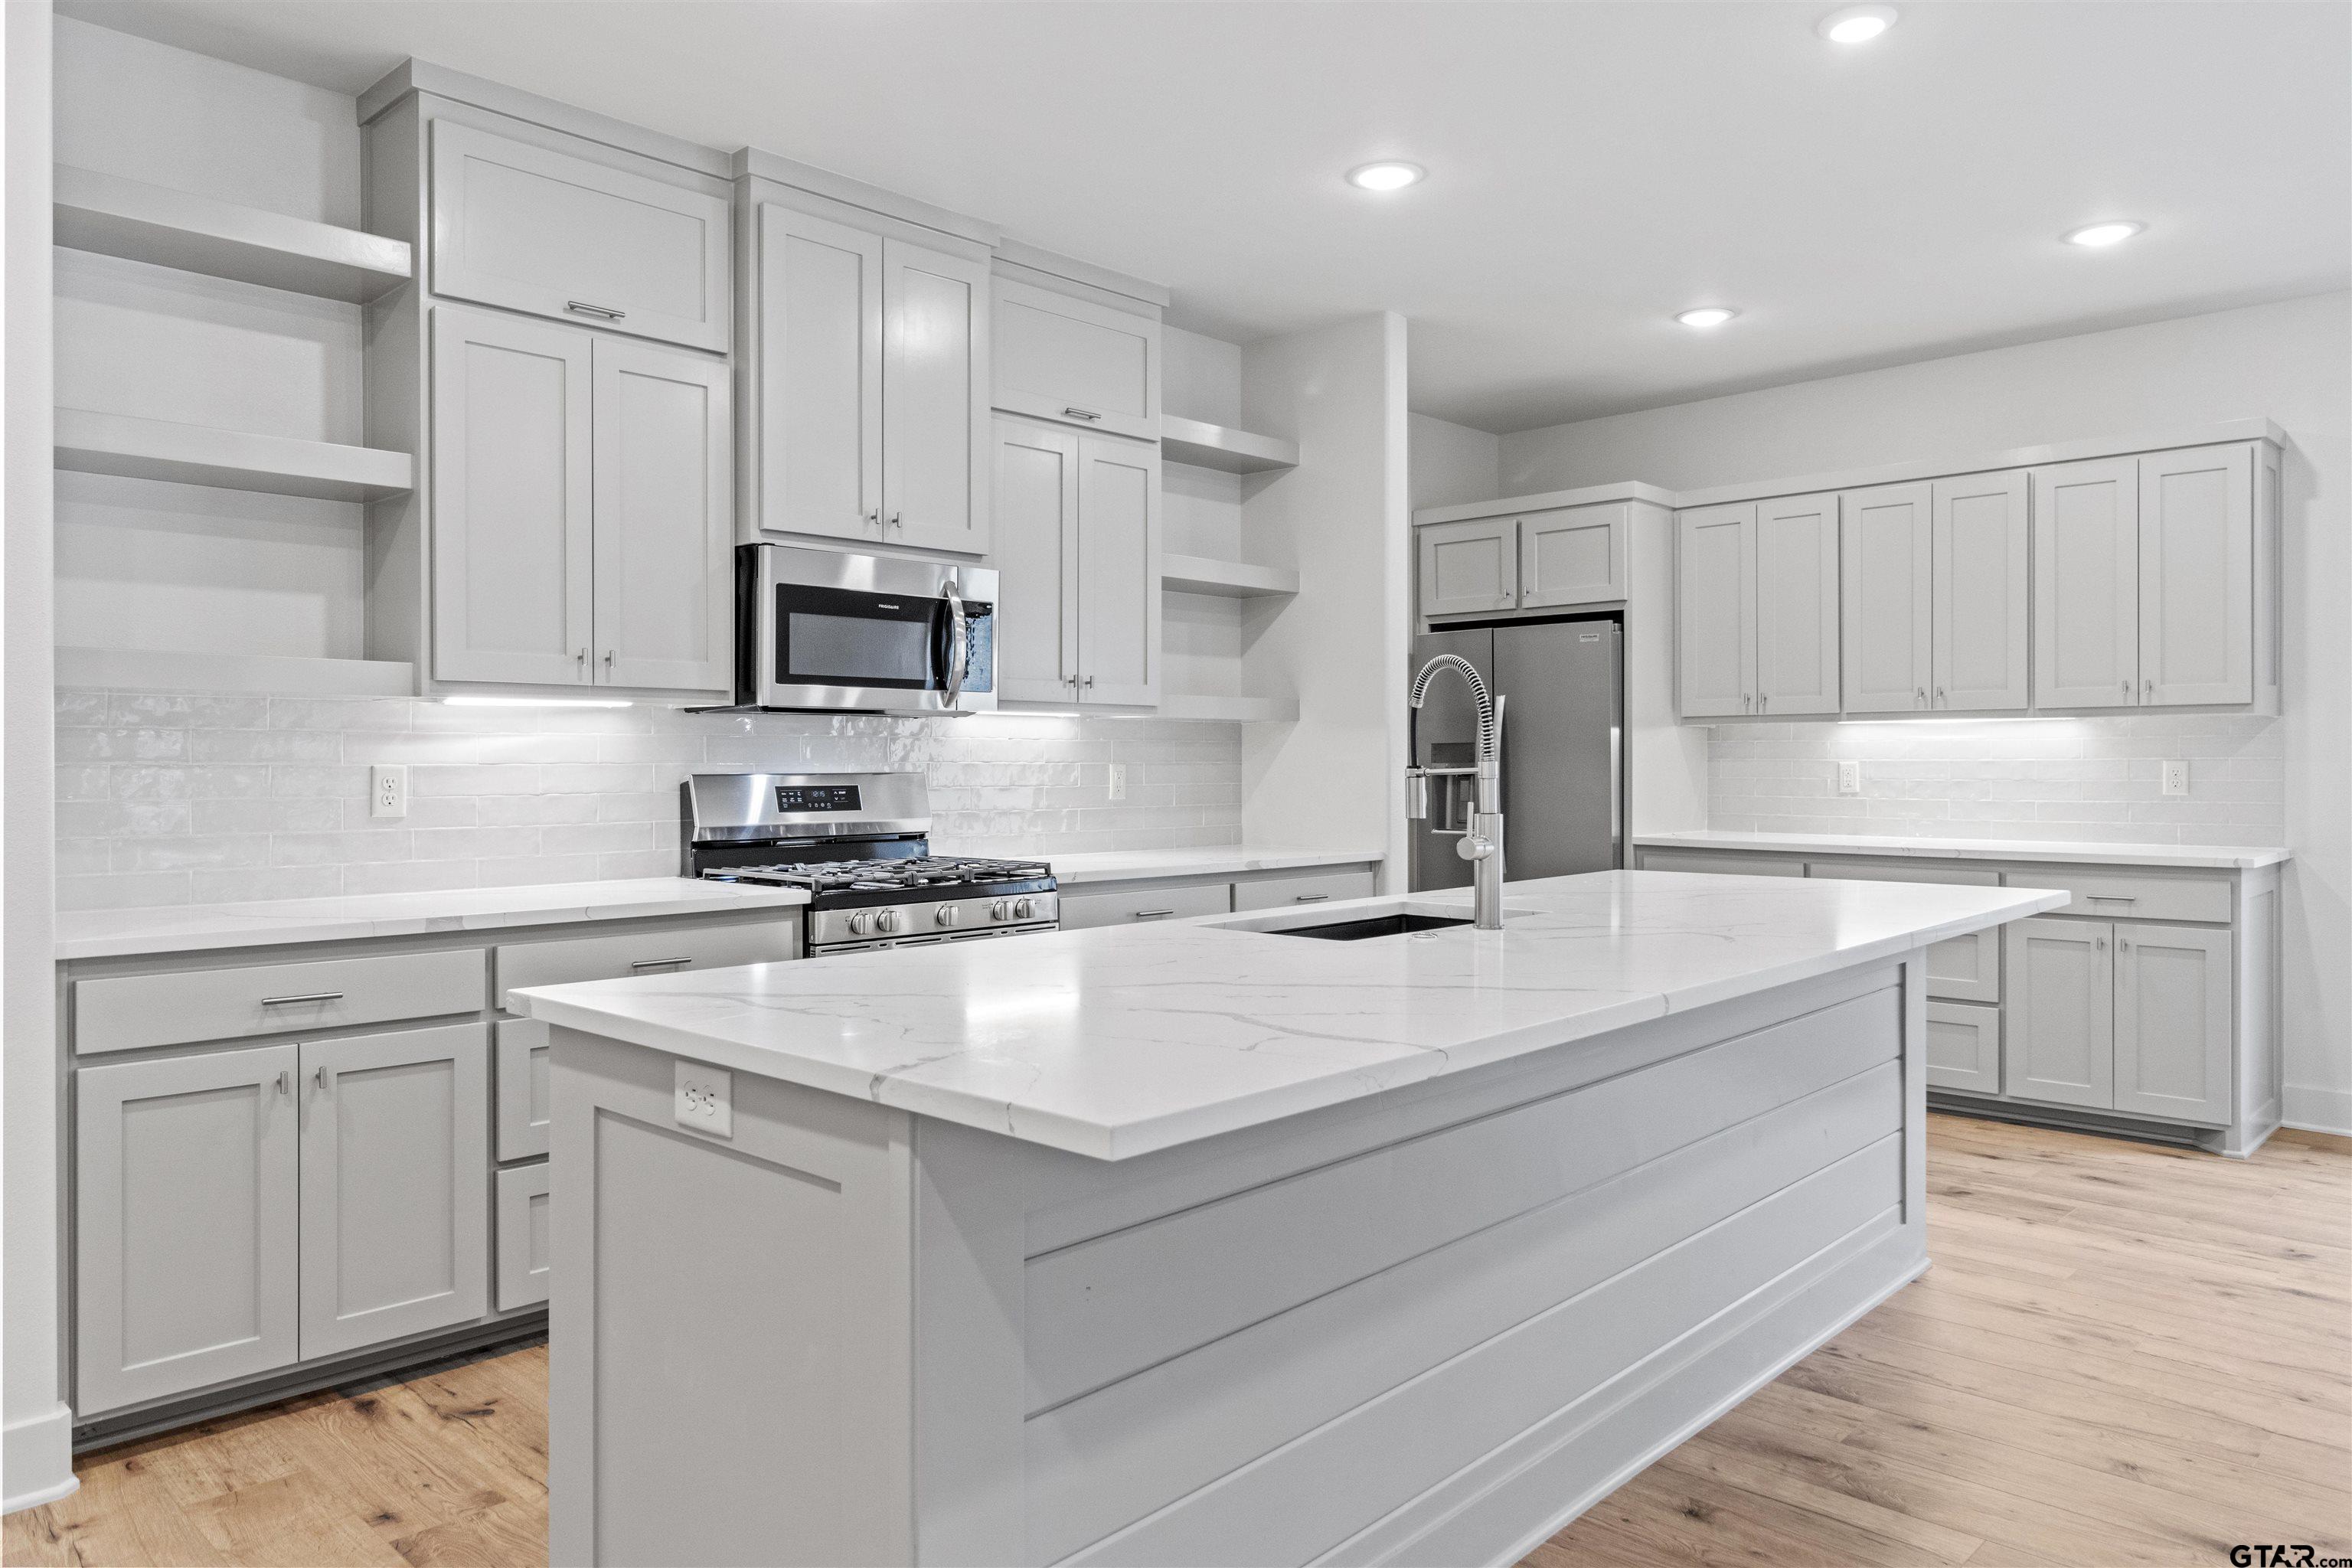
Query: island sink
x=1371, y=926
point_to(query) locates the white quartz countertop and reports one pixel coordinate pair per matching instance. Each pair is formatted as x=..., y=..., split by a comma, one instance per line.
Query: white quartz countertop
x=1117, y=1041
x=2210, y=857
x=196, y=928
x=1223, y=860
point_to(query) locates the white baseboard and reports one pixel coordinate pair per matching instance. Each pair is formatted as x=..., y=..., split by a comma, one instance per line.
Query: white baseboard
x=2319, y=1110
x=36, y=1461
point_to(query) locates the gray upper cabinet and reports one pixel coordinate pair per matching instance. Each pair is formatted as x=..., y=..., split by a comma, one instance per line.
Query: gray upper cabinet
x=1796, y=611
x=1715, y=610
x=2086, y=583
x=869, y=365
x=185, y=1200
x=581, y=492
x=2061, y=1012
x=1469, y=568
x=1076, y=362
x=1981, y=570
x=1573, y=556
x=814, y=450
x=1887, y=602
x=1078, y=567
x=664, y=502
x=530, y=229
x=935, y=417
x=2172, y=1022
x=395, y=1211
x=513, y=518
x=2196, y=577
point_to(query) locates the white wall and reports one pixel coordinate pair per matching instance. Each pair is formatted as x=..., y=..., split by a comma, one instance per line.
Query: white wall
x=1453, y=463
x=2291, y=362
x=35, y=1427
x=1335, y=777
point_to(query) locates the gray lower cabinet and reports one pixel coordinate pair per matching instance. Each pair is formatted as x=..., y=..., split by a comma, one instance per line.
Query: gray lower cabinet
x=523, y=1200
x=185, y=1222
x=2172, y=1012
x=1963, y=1045
x=394, y=1139
x=525, y=1094
x=2062, y=1011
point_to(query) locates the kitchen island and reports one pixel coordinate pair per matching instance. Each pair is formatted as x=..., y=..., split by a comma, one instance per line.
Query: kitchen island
x=1206, y=1243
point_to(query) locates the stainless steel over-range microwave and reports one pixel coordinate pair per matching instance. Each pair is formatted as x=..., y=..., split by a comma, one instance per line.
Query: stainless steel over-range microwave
x=829, y=632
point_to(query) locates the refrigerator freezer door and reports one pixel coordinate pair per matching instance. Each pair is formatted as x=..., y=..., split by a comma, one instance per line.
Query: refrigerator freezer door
x=1562, y=739
x=1447, y=736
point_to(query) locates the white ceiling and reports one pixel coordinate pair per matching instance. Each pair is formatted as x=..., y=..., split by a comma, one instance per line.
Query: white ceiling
x=1593, y=167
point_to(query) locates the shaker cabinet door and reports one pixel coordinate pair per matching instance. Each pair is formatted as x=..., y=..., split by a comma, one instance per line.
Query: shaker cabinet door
x=537, y=230
x=2172, y=1022
x=2061, y=1012
x=1119, y=570
x=1036, y=555
x=663, y=493
x=816, y=445
x=512, y=514
x=1076, y=362
x=1715, y=610
x=2086, y=584
x=185, y=1206
x=1888, y=604
x=1963, y=1047
x=2197, y=576
x=1575, y=556
x=1470, y=567
x=1796, y=604
x=1982, y=566
x=935, y=418
x=395, y=1192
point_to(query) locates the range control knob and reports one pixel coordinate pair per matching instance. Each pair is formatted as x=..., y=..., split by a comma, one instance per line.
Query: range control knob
x=887, y=920
x=1023, y=908
x=1002, y=910
x=949, y=915
x=860, y=922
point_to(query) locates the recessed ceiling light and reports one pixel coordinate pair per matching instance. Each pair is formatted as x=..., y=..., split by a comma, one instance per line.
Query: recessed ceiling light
x=2096, y=234
x=1857, y=24
x=1386, y=176
x=1707, y=316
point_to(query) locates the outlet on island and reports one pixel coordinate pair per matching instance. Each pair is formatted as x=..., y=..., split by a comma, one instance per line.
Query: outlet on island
x=705, y=1099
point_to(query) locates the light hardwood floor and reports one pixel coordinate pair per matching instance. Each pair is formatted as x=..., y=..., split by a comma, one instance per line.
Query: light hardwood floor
x=2124, y=1354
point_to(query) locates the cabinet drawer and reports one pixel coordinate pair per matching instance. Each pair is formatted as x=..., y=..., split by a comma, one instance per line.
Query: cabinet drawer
x=133, y=1011
x=1720, y=864
x=645, y=953
x=1128, y=906
x=523, y=1096
x=2131, y=895
x=1075, y=361
x=1281, y=892
x=535, y=230
x=1964, y=1048
x=522, y=1237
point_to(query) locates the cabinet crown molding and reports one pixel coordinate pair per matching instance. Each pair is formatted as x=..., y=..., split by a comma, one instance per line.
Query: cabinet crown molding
x=750, y=163
x=415, y=76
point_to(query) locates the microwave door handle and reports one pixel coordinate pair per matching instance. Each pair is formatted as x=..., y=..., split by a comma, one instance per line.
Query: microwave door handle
x=959, y=645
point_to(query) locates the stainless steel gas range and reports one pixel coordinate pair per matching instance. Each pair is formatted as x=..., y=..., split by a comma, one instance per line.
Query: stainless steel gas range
x=860, y=843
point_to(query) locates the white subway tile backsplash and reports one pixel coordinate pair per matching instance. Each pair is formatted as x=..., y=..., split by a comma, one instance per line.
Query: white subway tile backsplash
x=165, y=798
x=2094, y=779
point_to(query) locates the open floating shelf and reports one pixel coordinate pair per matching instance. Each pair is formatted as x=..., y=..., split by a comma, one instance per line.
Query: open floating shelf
x=1243, y=710
x=145, y=669
x=1226, y=579
x=115, y=216
x=125, y=445
x=1216, y=446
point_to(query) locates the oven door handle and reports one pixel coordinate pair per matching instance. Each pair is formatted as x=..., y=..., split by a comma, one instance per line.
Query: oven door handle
x=959, y=644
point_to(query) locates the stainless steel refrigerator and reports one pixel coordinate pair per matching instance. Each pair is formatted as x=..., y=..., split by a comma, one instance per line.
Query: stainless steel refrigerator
x=1564, y=778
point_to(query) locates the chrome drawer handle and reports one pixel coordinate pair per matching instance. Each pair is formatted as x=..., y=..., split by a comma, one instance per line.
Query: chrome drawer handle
x=1081, y=413
x=2109, y=898
x=601, y=312
x=306, y=996
x=1151, y=914
x=1310, y=898
x=659, y=963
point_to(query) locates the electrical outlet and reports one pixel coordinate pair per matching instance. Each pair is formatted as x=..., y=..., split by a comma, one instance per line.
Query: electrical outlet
x=1849, y=778
x=2176, y=778
x=388, y=789
x=705, y=1099
x=1118, y=781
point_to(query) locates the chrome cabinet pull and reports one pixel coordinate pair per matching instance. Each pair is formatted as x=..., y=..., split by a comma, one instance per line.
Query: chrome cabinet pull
x=2109, y=898
x=1081, y=413
x=874, y=516
x=1089, y=683
x=581, y=657
x=1151, y=914
x=285, y=1084
x=1941, y=698
x=897, y=521
x=2100, y=943
x=608, y=661
x=2147, y=691
x=1763, y=700
x=306, y=996
x=319, y=1078
x=1921, y=699
x=1310, y=898
x=601, y=312
x=659, y=963
x=2126, y=690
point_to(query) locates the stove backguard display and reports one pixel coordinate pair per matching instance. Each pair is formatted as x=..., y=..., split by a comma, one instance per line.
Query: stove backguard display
x=819, y=797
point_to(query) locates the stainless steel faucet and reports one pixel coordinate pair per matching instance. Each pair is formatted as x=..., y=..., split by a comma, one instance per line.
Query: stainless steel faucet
x=1482, y=846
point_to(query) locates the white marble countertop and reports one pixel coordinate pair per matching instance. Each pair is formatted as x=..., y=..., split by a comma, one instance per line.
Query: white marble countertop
x=1221, y=859
x=197, y=928
x=1119, y=1041
x=2202, y=856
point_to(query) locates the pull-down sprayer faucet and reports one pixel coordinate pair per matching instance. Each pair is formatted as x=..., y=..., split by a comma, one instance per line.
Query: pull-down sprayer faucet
x=1482, y=846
